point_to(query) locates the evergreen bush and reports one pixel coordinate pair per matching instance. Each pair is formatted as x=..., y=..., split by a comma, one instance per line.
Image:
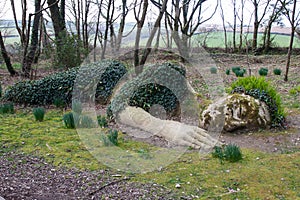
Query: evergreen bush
x=238, y=71
x=277, y=71
x=227, y=71
x=60, y=85
x=263, y=71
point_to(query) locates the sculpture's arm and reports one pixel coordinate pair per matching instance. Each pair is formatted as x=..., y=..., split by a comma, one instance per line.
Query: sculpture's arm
x=174, y=132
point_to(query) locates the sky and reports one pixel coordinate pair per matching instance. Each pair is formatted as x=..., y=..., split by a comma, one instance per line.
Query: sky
x=208, y=8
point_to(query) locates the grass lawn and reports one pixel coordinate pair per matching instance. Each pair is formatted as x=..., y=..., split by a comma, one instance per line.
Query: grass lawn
x=258, y=176
x=216, y=39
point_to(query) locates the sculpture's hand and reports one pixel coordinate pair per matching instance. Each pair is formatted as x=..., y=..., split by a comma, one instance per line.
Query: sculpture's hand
x=174, y=132
x=187, y=135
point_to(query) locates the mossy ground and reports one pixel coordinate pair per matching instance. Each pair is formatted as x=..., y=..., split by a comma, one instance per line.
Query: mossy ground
x=258, y=176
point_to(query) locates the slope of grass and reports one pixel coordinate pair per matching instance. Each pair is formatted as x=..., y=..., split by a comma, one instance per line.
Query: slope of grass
x=216, y=39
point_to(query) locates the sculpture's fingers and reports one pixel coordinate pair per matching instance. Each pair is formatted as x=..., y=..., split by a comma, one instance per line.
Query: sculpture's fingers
x=188, y=144
x=205, y=138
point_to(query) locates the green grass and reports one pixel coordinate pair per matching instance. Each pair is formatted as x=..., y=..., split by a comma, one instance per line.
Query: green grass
x=258, y=176
x=216, y=39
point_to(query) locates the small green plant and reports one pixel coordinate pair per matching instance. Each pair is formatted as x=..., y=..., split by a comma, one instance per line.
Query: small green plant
x=295, y=91
x=218, y=153
x=111, y=138
x=263, y=71
x=0, y=90
x=102, y=121
x=238, y=71
x=144, y=153
x=84, y=121
x=7, y=108
x=39, y=114
x=231, y=153
x=77, y=107
x=277, y=71
x=213, y=70
x=68, y=119
x=59, y=103
x=227, y=71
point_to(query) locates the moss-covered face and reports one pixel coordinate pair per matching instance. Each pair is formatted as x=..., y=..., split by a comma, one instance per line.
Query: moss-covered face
x=240, y=112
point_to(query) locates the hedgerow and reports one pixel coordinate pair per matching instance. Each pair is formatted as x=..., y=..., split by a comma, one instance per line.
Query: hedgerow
x=60, y=85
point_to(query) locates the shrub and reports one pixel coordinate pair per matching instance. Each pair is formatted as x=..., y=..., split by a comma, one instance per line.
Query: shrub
x=59, y=103
x=238, y=71
x=39, y=114
x=0, y=90
x=7, y=108
x=69, y=120
x=111, y=138
x=213, y=70
x=263, y=71
x=227, y=71
x=161, y=84
x=71, y=51
x=102, y=122
x=261, y=89
x=277, y=71
x=231, y=153
x=60, y=85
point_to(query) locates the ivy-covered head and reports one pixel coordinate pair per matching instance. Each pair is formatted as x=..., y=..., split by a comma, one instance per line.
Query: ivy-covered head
x=163, y=85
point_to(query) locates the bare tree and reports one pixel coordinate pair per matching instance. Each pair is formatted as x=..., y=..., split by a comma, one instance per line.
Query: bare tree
x=293, y=17
x=6, y=57
x=234, y=24
x=185, y=21
x=241, y=19
x=224, y=26
x=59, y=25
x=276, y=12
x=124, y=13
x=21, y=30
x=264, y=4
x=140, y=11
x=30, y=51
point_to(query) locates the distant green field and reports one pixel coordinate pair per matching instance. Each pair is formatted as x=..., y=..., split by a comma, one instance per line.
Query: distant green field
x=216, y=39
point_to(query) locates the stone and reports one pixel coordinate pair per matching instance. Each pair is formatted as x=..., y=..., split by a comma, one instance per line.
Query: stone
x=236, y=112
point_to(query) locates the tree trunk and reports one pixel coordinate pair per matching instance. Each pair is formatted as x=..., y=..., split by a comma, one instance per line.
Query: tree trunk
x=30, y=55
x=152, y=34
x=59, y=27
x=6, y=57
x=234, y=26
x=292, y=21
x=256, y=26
x=288, y=61
x=224, y=27
x=140, y=24
x=122, y=26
